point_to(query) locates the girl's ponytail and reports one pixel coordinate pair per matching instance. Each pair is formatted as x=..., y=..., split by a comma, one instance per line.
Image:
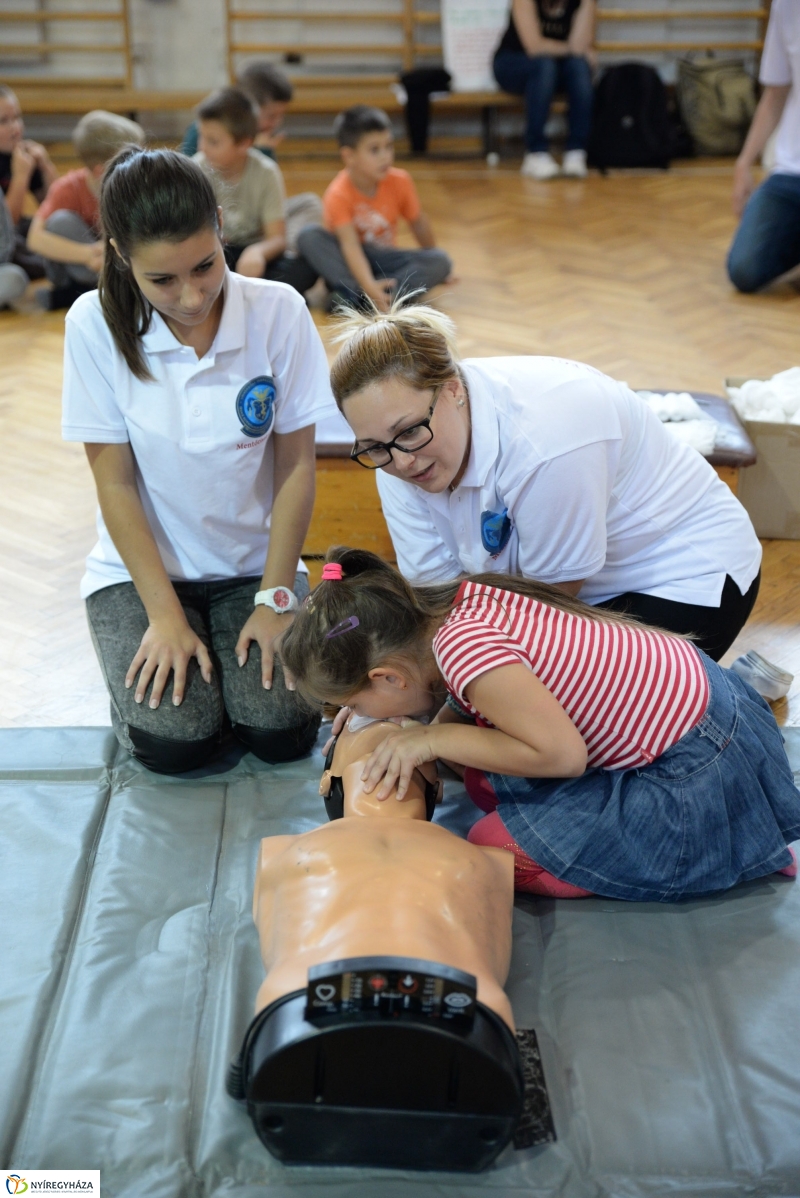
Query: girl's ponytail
x=145, y=196
x=126, y=311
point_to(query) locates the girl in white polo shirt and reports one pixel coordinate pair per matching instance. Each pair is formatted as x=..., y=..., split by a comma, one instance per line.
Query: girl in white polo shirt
x=545, y=468
x=195, y=392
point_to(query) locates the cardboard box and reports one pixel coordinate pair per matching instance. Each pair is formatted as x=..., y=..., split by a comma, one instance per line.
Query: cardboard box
x=770, y=490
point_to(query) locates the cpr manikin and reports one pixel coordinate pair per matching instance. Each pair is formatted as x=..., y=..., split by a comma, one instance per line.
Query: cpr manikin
x=382, y=1032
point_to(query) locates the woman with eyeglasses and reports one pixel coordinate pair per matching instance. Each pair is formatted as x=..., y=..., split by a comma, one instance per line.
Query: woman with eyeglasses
x=544, y=468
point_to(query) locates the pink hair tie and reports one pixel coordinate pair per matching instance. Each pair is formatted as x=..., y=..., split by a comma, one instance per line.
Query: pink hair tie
x=332, y=572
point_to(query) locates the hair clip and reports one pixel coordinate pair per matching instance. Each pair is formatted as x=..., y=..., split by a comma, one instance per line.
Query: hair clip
x=332, y=572
x=346, y=625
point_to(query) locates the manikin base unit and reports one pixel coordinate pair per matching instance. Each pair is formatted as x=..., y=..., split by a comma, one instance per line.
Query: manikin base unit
x=382, y=1061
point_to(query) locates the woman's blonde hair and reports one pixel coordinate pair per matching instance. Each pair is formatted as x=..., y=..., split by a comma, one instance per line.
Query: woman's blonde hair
x=412, y=342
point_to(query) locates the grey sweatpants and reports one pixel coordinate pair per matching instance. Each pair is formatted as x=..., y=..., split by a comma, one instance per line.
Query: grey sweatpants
x=301, y=210
x=66, y=223
x=275, y=724
x=13, y=282
x=413, y=269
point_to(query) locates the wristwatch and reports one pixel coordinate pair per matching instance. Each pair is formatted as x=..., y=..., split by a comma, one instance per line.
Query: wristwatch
x=280, y=599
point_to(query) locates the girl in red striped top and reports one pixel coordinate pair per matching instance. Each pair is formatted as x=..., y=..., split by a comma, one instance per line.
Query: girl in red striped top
x=611, y=758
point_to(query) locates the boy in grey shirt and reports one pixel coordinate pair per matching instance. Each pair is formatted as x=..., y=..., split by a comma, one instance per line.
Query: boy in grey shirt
x=249, y=189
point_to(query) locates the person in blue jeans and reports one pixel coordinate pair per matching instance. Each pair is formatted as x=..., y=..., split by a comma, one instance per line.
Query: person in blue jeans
x=547, y=47
x=767, y=242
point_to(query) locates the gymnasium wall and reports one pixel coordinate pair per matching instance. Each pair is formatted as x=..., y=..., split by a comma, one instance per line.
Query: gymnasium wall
x=182, y=43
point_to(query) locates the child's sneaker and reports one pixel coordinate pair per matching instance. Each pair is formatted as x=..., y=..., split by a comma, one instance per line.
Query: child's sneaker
x=574, y=164
x=540, y=166
x=770, y=681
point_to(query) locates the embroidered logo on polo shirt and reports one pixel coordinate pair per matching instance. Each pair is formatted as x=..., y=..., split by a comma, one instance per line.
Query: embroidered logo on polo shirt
x=255, y=406
x=495, y=531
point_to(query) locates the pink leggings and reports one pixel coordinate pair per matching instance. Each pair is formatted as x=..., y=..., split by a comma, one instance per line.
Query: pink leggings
x=492, y=832
x=528, y=876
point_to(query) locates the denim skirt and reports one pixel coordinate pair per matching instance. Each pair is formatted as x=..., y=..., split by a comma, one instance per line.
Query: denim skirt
x=717, y=808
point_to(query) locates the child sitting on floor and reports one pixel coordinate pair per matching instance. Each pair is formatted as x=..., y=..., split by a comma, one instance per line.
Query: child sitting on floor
x=249, y=189
x=620, y=760
x=25, y=169
x=357, y=253
x=66, y=228
x=271, y=91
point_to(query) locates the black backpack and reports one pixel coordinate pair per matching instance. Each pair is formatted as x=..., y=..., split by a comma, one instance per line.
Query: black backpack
x=630, y=121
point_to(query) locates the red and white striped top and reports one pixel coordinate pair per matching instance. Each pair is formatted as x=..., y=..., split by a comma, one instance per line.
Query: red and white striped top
x=631, y=693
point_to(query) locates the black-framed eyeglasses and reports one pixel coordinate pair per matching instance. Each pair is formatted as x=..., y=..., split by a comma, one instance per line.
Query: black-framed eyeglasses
x=373, y=457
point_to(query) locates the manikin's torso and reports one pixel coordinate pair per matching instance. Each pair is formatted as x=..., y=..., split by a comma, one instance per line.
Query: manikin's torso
x=382, y=881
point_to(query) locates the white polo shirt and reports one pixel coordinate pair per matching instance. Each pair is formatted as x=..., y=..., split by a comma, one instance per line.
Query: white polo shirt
x=594, y=487
x=201, y=433
x=780, y=65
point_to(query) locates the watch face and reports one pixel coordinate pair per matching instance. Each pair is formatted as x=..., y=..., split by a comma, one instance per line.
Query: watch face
x=281, y=598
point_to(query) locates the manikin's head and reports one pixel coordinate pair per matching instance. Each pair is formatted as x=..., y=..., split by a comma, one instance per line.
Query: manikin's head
x=349, y=757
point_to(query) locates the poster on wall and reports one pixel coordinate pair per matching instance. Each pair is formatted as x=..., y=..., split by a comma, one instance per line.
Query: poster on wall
x=471, y=30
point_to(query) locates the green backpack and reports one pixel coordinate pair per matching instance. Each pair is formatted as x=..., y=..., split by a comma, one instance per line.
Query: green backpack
x=717, y=99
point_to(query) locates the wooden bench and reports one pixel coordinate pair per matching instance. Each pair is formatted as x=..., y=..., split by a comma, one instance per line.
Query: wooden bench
x=312, y=97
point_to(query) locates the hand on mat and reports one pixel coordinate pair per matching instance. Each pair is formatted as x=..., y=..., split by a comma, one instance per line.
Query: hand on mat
x=266, y=628
x=397, y=757
x=168, y=645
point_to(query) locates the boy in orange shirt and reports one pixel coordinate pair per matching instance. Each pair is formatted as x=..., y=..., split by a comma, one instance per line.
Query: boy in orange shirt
x=356, y=254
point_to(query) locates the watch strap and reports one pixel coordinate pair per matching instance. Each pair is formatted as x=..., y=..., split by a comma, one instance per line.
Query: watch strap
x=268, y=599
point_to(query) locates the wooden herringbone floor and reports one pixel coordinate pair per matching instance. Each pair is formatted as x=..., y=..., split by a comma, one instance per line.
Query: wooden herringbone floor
x=625, y=272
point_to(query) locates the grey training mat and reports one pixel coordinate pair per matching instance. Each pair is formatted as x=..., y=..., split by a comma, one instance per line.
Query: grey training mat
x=670, y=1035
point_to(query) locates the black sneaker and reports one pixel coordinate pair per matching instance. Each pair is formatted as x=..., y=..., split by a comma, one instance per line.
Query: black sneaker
x=59, y=298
